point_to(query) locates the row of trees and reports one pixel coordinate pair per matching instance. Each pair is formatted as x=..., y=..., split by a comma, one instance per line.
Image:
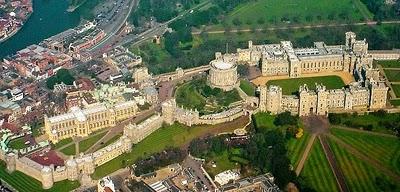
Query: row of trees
x=383, y=10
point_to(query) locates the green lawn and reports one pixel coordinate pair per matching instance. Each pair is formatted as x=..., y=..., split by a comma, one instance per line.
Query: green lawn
x=17, y=143
x=395, y=102
x=393, y=75
x=396, y=89
x=264, y=121
x=359, y=175
x=317, y=172
x=291, y=86
x=222, y=163
x=87, y=143
x=366, y=120
x=70, y=150
x=296, y=148
x=175, y=135
x=248, y=87
x=63, y=142
x=112, y=140
x=196, y=94
x=24, y=183
x=298, y=11
x=384, y=149
x=389, y=64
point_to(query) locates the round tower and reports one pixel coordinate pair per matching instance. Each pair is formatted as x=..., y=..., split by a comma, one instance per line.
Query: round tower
x=11, y=160
x=72, y=169
x=47, y=177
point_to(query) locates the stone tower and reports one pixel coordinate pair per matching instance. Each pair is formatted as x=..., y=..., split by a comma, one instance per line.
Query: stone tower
x=72, y=169
x=263, y=98
x=47, y=177
x=350, y=39
x=322, y=101
x=11, y=160
x=168, y=111
x=274, y=99
x=378, y=95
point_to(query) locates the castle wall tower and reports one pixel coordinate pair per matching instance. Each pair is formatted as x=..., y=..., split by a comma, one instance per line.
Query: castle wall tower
x=350, y=39
x=322, y=101
x=11, y=160
x=274, y=99
x=47, y=177
x=263, y=98
x=72, y=169
x=168, y=109
x=378, y=96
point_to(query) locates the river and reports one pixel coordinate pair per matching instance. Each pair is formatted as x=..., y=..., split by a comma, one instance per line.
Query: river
x=49, y=17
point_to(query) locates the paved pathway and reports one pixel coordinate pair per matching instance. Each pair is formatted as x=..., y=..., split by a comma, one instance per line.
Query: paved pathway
x=305, y=154
x=337, y=172
x=297, y=27
x=378, y=165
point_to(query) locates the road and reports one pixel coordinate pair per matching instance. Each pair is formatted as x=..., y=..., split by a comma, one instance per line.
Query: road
x=296, y=27
x=195, y=167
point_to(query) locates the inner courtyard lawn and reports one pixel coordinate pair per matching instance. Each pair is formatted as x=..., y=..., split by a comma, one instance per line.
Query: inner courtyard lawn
x=70, y=150
x=393, y=75
x=317, y=172
x=395, y=102
x=17, y=143
x=63, y=142
x=384, y=149
x=264, y=121
x=291, y=86
x=296, y=148
x=87, y=143
x=358, y=174
x=298, y=11
x=24, y=183
x=396, y=89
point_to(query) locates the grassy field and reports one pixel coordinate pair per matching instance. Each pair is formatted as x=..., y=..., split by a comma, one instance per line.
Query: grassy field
x=393, y=75
x=248, y=87
x=70, y=150
x=222, y=163
x=384, y=149
x=24, y=183
x=296, y=148
x=366, y=120
x=291, y=86
x=298, y=11
x=395, y=102
x=197, y=95
x=396, y=89
x=389, y=64
x=176, y=135
x=317, y=172
x=358, y=175
x=112, y=140
x=264, y=121
x=17, y=143
x=87, y=143
x=63, y=142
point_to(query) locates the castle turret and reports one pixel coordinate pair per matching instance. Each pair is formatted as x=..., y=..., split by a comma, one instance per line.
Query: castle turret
x=168, y=111
x=350, y=39
x=72, y=169
x=11, y=160
x=322, y=100
x=273, y=99
x=47, y=177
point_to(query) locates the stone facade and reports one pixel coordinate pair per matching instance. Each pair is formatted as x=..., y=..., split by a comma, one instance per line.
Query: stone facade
x=222, y=74
x=137, y=132
x=284, y=59
x=82, y=122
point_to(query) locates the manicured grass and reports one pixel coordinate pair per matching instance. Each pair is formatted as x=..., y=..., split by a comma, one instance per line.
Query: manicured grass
x=175, y=135
x=291, y=86
x=359, y=175
x=17, y=143
x=368, y=120
x=395, y=102
x=396, y=89
x=87, y=143
x=393, y=75
x=296, y=148
x=298, y=11
x=70, y=150
x=264, y=121
x=247, y=87
x=384, y=149
x=317, y=172
x=389, y=64
x=24, y=183
x=196, y=94
x=112, y=140
x=63, y=142
x=222, y=163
